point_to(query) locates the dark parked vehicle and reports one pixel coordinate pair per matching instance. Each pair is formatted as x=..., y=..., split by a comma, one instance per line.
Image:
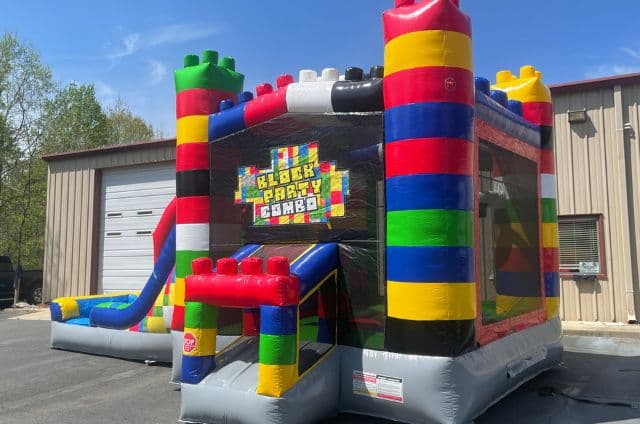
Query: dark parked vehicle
x=30, y=283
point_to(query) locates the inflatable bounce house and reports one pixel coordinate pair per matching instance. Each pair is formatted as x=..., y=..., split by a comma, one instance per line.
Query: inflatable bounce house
x=382, y=243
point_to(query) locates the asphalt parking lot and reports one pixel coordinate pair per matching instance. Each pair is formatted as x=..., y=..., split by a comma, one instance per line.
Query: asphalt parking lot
x=599, y=382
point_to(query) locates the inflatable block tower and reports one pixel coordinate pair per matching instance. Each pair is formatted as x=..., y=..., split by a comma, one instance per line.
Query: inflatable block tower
x=429, y=150
x=537, y=108
x=201, y=85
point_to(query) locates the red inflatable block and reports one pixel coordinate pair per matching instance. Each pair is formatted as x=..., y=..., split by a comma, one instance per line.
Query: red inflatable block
x=200, y=101
x=251, y=322
x=192, y=210
x=284, y=80
x=516, y=259
x=190, y=156
x=243, y=291
x=202, y=266
x=550, y=259
x=177, y=319
x=227, y=266
x=429, y=156
x=540, y=113
x=166, y=223
x=429, y=84
x=251, y=266
x=426, y=15
x=265, y=107
x=547, y=162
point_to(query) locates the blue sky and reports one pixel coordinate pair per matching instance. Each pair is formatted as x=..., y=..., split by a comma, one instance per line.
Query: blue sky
x=130, y=48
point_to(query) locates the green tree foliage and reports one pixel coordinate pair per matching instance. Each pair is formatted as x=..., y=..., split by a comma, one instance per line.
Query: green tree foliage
x=74, y=120
x=39, y=117
x=124, y=127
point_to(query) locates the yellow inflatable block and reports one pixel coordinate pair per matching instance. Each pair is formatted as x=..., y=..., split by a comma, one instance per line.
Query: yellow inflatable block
x=550, y=235
x=205, y=341
x=178, y=294
x=553, y=307
x=192, y=129
x=428, y=48
x=431, y=301
x=274, y=380
x=526, y=88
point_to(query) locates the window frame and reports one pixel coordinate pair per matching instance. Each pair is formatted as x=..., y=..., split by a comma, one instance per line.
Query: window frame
x=599, y=218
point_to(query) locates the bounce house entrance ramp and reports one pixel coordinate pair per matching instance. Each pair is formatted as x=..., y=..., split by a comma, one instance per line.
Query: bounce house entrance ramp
x=289, y=361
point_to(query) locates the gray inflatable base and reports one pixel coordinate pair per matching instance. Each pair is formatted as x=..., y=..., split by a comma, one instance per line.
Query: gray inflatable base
x=434, y=389
x=229, y=396
x=108, y=342
x=451, y=390
x=177, y=338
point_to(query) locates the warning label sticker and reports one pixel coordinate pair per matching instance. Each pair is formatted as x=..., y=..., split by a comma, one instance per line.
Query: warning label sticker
x=378, y=386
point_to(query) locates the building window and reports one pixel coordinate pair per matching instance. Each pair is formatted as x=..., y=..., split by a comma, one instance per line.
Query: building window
x=581, y=249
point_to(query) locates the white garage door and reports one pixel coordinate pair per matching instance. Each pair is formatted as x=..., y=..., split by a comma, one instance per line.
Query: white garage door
x=133, y=200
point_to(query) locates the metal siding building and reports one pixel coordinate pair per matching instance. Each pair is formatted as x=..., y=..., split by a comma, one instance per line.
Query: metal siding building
x=598, y=169
x=75, y=222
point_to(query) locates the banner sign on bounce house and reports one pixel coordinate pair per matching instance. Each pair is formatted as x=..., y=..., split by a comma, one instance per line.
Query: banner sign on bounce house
x=297, y=189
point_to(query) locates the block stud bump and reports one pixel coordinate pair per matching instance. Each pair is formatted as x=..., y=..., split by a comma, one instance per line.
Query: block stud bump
x=202, y=266
x=227, y=266
x=278, y=265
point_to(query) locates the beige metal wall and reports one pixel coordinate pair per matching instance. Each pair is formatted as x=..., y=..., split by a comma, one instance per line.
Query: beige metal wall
x=598, y=168
x=72, y=224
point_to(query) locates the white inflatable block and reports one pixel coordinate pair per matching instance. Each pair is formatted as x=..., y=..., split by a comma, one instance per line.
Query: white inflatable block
x=310, y=97
x=192, y=237
x=330, y=74
x=548, y=186
x=308, y=75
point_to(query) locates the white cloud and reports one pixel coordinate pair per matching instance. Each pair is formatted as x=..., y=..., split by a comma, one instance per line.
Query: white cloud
x=631, y=52
x=180, y=33
x=157, y=71
x=608, y=70
x=130, y=43
x=169, y=34
x=628, y=64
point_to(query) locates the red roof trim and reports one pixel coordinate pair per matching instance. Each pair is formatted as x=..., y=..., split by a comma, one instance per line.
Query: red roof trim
x=596, y=83
x=166, y=142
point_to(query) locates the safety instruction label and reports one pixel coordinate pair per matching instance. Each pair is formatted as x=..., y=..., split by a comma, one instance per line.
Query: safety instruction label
x=377, y=386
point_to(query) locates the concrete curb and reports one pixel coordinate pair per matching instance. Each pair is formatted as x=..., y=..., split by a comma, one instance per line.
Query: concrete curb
x=601, y=329
x=39, y=315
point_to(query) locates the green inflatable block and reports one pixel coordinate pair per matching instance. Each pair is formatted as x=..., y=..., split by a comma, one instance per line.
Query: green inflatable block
x=430, y=227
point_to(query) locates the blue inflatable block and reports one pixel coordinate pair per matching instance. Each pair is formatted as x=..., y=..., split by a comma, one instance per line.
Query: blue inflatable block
x=195, y=368
x=552, y=284
x=506, y=121
x=483, y=85
x=136, y=311
x=84, y=321
x=56, y=312
x=245, y=96
x=515, y=106
x=500, y=97
x=423, y=120
x=278, y=320
x=226, y=105
x=521, y=284
x=430, y=264
x=430, y=191
x=227, y=122
x=85, y=306
x=314, y=265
